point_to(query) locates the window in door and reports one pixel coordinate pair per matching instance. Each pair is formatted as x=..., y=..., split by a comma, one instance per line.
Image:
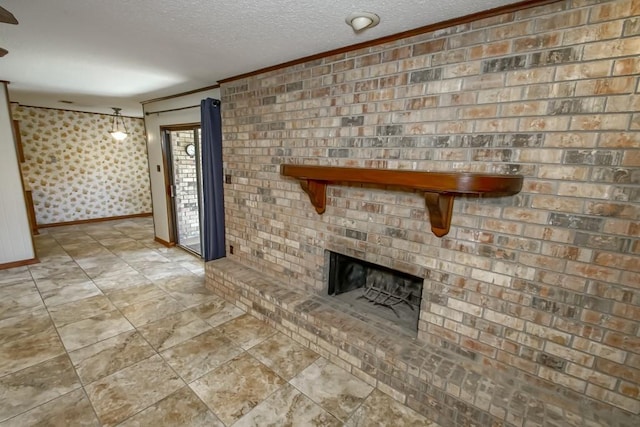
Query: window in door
x=186, y=186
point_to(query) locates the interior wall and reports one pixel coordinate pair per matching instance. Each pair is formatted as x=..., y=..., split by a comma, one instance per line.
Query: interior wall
x=153, y=122
x=544, y=283
x=77, y=171
x=15, y=234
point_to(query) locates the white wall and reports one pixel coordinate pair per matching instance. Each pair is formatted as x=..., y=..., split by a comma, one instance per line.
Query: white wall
x=15, y=235
x=154, y=148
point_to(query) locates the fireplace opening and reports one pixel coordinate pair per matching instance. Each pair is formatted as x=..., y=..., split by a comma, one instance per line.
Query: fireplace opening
x=392, y=297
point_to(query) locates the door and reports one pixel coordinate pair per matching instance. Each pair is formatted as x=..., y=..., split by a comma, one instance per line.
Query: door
x=183, y=155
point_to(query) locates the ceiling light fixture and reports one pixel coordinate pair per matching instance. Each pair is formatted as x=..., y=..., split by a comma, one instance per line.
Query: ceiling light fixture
x=118, y=128
x=360, y=21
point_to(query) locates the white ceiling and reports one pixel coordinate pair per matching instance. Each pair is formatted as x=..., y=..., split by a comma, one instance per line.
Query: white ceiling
x=99, y=53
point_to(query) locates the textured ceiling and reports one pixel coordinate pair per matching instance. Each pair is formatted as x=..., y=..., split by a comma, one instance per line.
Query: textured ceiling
x=99, y=53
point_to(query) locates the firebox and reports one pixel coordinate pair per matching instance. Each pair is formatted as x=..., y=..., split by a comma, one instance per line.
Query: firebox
x=374, y=290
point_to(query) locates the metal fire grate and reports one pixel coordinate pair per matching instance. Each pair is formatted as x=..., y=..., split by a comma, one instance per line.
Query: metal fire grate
x=386, y=290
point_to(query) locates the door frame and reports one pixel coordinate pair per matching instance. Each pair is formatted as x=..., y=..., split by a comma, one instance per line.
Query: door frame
x=167, y=164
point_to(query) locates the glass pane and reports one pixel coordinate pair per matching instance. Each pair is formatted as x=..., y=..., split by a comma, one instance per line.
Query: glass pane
x=185, y=150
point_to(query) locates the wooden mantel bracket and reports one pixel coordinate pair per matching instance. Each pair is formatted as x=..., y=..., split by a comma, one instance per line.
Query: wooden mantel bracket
x=440, y=188
x=440, y=208
x=317, y=192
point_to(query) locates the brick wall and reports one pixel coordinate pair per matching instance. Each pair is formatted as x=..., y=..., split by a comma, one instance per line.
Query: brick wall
x=545, y=282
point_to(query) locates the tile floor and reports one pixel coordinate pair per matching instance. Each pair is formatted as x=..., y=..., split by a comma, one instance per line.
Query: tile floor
x=113, y=329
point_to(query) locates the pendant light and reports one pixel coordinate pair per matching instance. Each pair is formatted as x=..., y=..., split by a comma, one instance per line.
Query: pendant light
x=118, y=128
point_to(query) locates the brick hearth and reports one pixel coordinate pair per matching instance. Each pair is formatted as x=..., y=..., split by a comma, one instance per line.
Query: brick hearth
x=451, y=389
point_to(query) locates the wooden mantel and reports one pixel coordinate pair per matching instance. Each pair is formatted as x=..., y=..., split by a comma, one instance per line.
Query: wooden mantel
x=440, y=188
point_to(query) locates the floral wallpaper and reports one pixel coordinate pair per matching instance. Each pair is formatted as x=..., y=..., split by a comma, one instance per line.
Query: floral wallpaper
x=77, y=171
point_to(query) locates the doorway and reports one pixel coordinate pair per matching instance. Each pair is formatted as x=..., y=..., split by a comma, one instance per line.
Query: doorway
x=182, y=148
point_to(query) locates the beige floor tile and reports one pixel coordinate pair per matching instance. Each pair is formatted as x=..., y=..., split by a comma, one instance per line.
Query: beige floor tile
x=24, y=325
x=200, y=355
x=125, y=393
x=61, y=291
x=125, y=245
x=46, y=239
x=194, y=266
x=147, y=260
x=136, y=294
x=100, y=263
x=55, y=269
x=236, y=387
x=173, y=329
x=137, y=253
x=33, y=386
x=71, y=409
x=81, y=309
x=71, y=236
x=150, y=310
x=89, y=331
x=333, y=388
x=18, y=299
x=30, y=350
x=14, y=275
x=246, y=331
x=101, y=257
x=18, y=289
x=217, y=311
x=156, y=246
x=288, y=407
x=177, y=254
x=54, y=256
x=103, y=234
x=111, y=355
x=381, y=410
x=156, y=270
x=116, y=239
x=104, y=267
x=188, y=290
x=182, y=408
x=81, y=251
x=120, y=279
x=286, y=357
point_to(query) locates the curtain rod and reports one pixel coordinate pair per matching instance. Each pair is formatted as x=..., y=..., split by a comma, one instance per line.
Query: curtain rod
x=172, y=109
x=215, y=102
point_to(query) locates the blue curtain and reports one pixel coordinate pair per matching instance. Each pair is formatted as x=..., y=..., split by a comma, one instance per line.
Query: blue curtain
x=213, y=243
